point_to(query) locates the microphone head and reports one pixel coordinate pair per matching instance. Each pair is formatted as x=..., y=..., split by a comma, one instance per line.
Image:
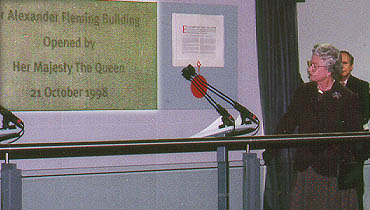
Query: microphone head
x=188, y=72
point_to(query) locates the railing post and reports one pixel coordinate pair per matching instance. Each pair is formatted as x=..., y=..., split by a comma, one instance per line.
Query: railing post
x=223, y=178
x=11, y=187
x=251, y=182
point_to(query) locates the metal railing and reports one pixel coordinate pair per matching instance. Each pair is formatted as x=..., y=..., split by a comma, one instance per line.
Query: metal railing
x=11, y=178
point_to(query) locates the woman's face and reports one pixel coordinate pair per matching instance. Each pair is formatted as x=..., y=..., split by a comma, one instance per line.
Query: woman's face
x=317, y=70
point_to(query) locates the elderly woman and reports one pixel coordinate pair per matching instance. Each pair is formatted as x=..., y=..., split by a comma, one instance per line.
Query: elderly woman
x=320, y=106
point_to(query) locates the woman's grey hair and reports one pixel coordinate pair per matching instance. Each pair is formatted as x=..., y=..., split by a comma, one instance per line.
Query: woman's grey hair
x=332, y=58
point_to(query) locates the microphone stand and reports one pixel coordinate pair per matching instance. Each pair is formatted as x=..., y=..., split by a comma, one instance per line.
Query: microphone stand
x=6, y=126
x=226, y=117
x=190, y=74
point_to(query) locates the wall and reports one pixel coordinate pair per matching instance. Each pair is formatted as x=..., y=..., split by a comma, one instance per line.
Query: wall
x=167, y=121
x=342, y=23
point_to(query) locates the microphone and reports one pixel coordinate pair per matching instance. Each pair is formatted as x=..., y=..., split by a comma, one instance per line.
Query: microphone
x=226, y=117
x=199, y=89
x=198, y=83
x=245, y=113
x=9, y=116
x=188, y=72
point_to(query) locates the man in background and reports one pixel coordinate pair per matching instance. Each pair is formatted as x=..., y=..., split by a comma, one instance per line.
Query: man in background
x=361, y=88
x=356, y=85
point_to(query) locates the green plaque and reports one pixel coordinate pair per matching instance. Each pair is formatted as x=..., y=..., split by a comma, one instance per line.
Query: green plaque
x=78, y=55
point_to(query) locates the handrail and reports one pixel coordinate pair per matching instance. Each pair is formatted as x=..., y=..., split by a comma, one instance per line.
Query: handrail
x=155, y=146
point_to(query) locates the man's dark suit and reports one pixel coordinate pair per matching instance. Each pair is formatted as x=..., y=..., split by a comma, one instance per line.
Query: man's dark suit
x=361, y=88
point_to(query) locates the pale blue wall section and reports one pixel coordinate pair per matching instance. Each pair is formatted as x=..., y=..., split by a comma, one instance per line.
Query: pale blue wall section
x=173, y=88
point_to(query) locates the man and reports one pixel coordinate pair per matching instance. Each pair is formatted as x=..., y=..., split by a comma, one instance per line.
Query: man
x=361, y=88
x=358, y=86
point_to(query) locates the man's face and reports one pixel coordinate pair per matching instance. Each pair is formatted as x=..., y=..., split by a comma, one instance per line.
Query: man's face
x=347, y=67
